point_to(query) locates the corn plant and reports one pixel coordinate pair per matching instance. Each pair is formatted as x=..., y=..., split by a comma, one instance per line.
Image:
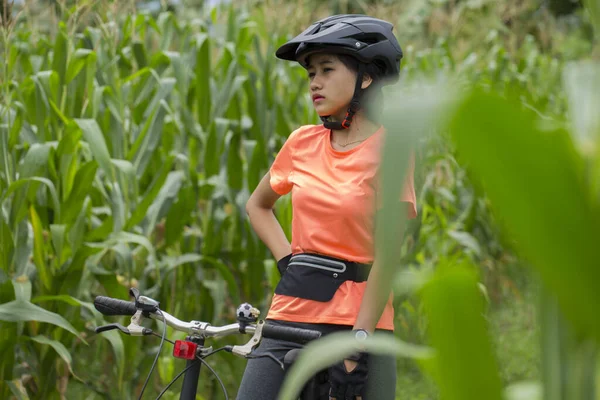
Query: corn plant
x=128, y=151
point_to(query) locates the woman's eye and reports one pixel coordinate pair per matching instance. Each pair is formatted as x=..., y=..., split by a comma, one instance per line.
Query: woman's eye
x=327, y=69
x=311, y=75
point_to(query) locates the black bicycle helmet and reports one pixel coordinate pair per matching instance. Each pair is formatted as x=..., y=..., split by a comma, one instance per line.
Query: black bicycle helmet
x=369, y=40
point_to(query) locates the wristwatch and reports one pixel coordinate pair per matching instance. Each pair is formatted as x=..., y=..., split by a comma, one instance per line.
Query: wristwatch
x=361, y=334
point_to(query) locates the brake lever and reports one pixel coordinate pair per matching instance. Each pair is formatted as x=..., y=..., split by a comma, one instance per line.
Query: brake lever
x=135, y=327
x=247, y=348
x=110, y=327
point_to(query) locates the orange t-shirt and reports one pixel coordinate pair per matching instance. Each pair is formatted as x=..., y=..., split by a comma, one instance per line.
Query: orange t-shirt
x=334, y=196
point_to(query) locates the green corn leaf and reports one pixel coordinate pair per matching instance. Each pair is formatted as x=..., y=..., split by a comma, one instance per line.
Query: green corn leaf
x=72, y=301
x=35, y=161
x=165, y=88
x=93, y=135
x=180, y=71
x=593, y=8
x=526, y=390
x=75, y=234
x=67, y=161
x=125, y=237
x=148, y=140
x=117, y=205
x=160, y=62
x=23, y=248
x=49, y=82
x=168, y=27
x=76, y=64
x=33, y=98
x=180, y=215
x=127, y=179
x=465, y=365
x=150, y=195
x=256, y=157
x=39, y=253
x=139, y=51
x=82, y=184
x=257, y=131
x=535, y=182
x=202, y=77
x=233, y=83
x=211, y=154
x=15, y=125
x=174, y=262
x=60, y=53
x=166, y=196
x=60, y=349
x=113, y=104
x=6, y=247
x=235, y=166
x=226, y=274
x=19, y=310
x=118, y=347
x=22, y=287
x=58, y=241
x=18, y=389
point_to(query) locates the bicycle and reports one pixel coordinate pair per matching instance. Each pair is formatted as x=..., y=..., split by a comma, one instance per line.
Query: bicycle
x=192, y=348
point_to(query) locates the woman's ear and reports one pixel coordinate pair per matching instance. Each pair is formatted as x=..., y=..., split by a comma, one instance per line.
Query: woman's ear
x=366, y=82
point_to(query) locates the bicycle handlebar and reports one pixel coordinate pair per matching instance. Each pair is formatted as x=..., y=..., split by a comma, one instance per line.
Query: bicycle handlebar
x=297, y=335
x=110, y=306
x=248, y=322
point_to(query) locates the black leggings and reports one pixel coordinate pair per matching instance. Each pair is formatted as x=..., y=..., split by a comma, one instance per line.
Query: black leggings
x=263, y=378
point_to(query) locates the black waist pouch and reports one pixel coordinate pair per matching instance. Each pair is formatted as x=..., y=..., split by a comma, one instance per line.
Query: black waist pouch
x=317, y=277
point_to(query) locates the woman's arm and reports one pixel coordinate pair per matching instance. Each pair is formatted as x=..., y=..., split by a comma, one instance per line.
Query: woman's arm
x=374, y=301
x=378, y=284
x=259, y=208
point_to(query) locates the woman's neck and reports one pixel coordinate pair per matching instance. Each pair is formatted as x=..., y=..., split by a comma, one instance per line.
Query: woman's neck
x=360, y=129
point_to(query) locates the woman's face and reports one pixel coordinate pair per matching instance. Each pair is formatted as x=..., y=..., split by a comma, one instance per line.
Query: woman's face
x=331, y=85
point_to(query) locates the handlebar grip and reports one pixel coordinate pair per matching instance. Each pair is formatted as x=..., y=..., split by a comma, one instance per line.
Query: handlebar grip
x=110, y=306
x=296, y=335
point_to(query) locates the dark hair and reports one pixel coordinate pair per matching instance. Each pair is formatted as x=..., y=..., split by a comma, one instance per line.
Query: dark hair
x=371, y=98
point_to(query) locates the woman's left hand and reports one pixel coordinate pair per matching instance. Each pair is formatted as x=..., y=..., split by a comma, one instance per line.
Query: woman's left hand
x=350, y=365
x=348, y=378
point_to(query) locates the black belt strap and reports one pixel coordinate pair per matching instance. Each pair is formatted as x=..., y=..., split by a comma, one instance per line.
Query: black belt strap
x=346, y=270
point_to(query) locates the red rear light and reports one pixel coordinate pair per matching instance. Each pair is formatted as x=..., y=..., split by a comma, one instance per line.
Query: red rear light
x=184, y=349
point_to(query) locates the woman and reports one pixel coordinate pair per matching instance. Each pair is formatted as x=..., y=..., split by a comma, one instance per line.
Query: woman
x=331, y=170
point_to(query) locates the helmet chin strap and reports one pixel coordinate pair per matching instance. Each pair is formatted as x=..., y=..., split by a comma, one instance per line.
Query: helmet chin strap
x=352, y=109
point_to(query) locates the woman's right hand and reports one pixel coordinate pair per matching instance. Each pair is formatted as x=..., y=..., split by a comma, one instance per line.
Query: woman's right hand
x=283, y=263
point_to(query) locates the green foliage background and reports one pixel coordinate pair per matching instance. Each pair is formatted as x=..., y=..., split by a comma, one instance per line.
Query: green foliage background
x=130, y=142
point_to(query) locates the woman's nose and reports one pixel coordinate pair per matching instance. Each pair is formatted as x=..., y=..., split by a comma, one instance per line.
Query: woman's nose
x=315, y=84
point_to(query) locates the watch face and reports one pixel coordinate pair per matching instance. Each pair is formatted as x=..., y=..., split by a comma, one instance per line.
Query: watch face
x=361, y=335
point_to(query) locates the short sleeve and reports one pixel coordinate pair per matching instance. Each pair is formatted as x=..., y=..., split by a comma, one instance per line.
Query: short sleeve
x=408, y=191
x=282, y=167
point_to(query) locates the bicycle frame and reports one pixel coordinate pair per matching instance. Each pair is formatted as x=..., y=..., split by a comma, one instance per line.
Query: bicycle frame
x=192, y=375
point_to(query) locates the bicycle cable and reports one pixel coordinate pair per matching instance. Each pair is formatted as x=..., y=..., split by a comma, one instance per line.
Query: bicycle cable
x=166, y=339
x=162, y=341
x=190, y=366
